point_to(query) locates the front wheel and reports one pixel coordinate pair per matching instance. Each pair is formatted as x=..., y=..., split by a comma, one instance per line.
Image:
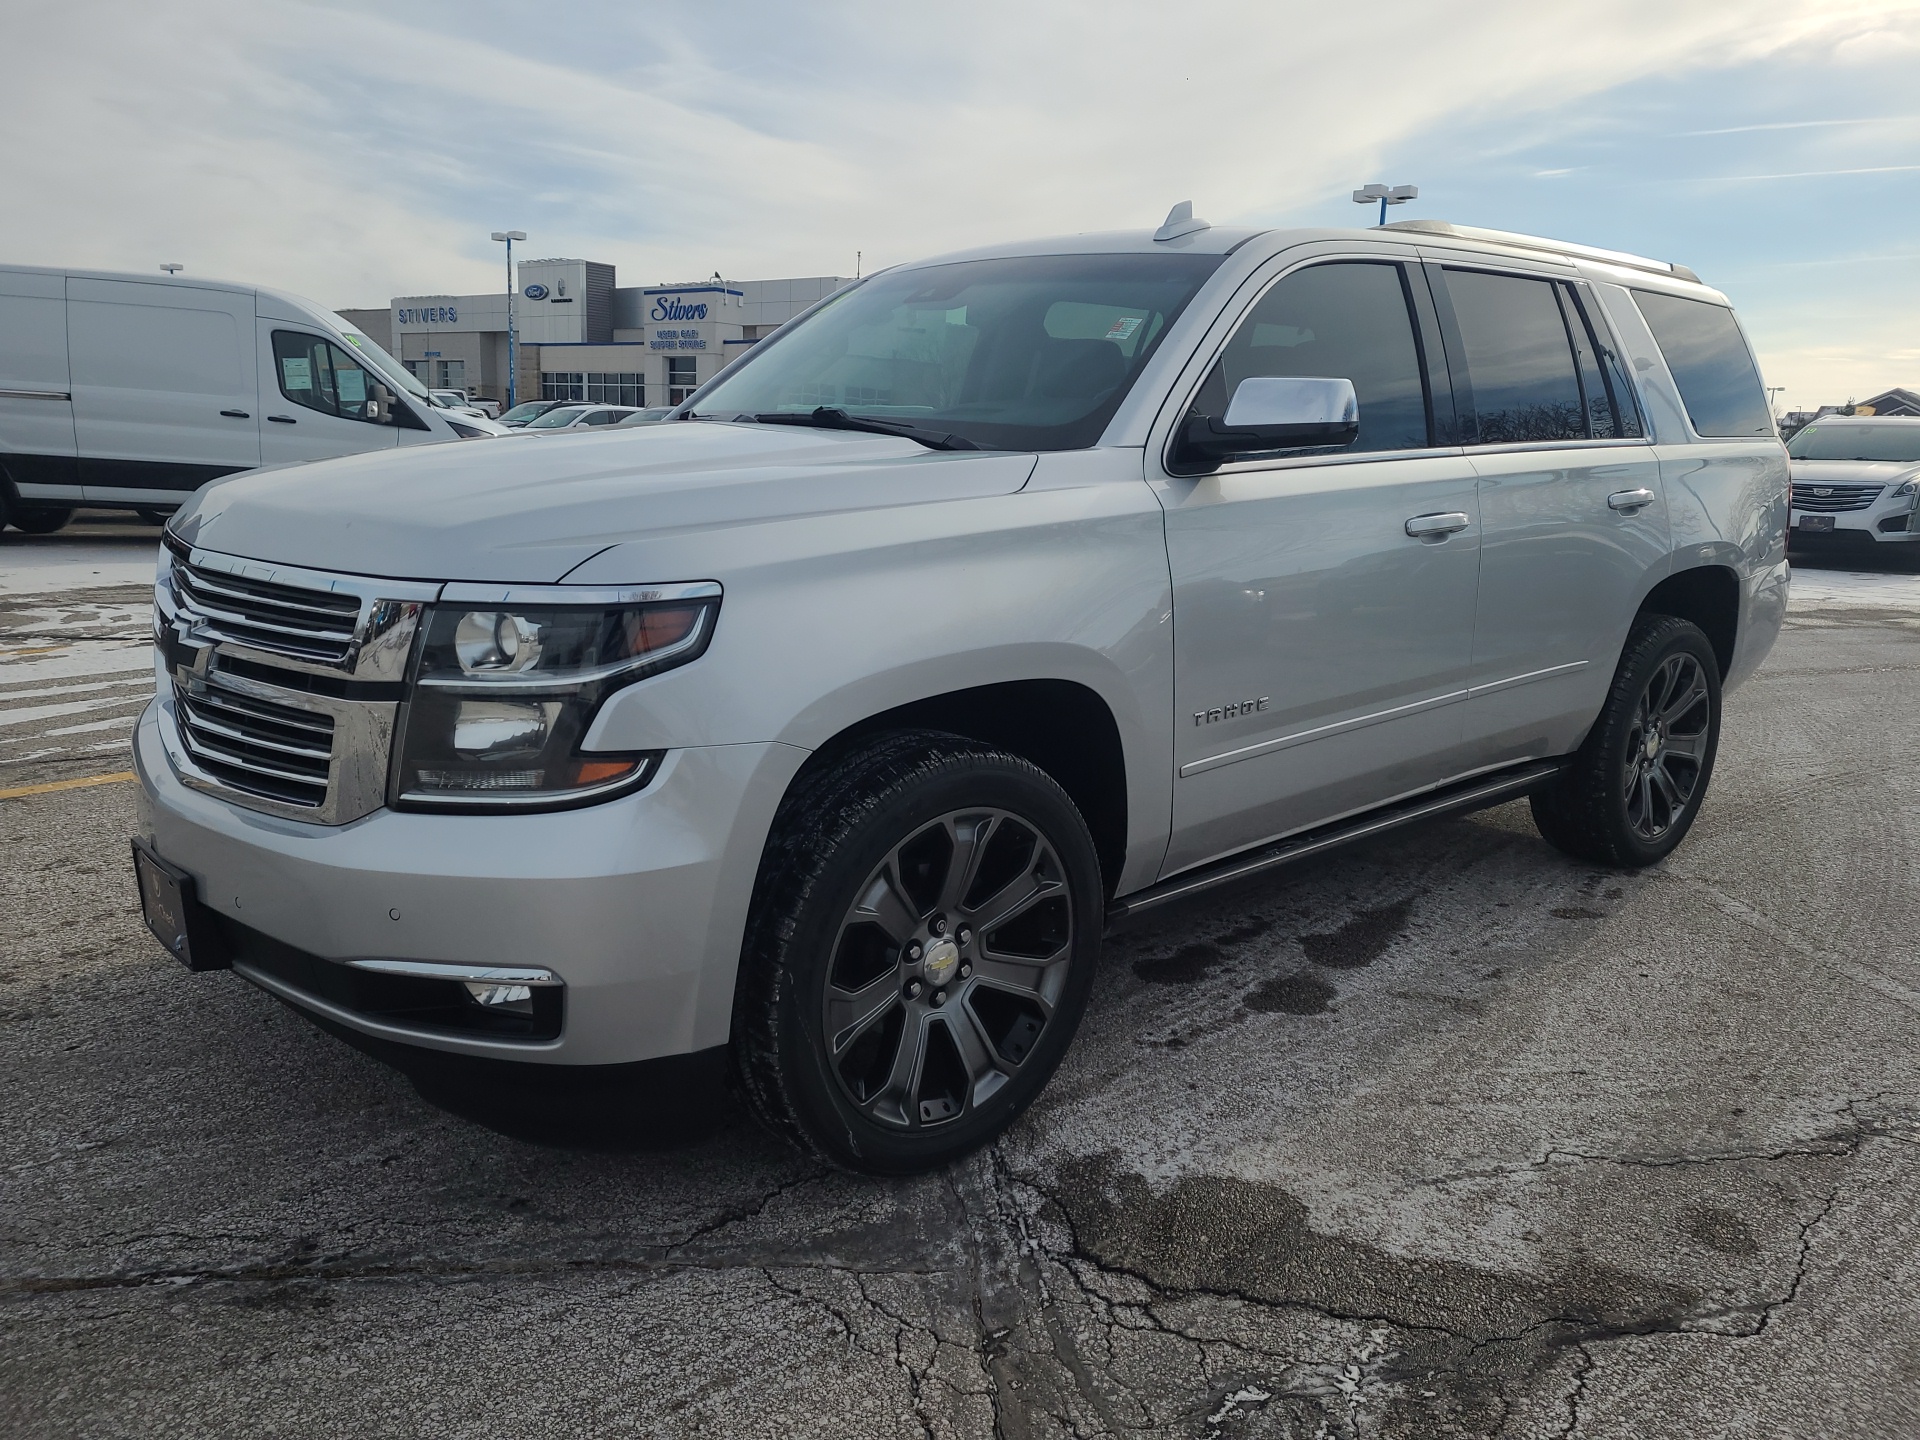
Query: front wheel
x=924, y=935
x=38, y=521
x=1630, y=794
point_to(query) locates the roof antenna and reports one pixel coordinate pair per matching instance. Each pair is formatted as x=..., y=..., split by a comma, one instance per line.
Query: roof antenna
x=1180, y=222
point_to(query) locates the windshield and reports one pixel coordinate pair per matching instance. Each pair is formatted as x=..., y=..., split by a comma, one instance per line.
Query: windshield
x=1030, y=353
x=1837, y=440
x=557, y=419
x=528, y=409
x=397, y=374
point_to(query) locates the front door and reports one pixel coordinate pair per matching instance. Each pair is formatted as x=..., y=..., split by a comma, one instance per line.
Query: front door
x=164, y=397
x=36, y=409
x=1321, y=650
x=316, y=397
x=1574, y=527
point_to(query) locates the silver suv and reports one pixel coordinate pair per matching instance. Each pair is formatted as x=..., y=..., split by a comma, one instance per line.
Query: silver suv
x=824, y=727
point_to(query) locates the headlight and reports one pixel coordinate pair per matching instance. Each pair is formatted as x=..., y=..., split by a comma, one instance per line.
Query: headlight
x=1911, y=488
x=508, y=679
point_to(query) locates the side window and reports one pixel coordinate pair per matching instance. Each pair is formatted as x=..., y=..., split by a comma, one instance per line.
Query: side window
x=1710, y=363
x=1590, y=343
x=1349, y=320
x=1594, y=399
x=1519, y=358
x=317, y=374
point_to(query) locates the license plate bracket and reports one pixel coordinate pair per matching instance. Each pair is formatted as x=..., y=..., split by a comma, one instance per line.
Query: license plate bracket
x=1816, y=522
x=173, y=912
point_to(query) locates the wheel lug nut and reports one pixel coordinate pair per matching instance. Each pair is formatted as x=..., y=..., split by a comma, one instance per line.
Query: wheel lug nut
x=965, y=971
x=913, y=951
x=965, y=935
x=939, y=926
x=914, y=987
x=939, y=997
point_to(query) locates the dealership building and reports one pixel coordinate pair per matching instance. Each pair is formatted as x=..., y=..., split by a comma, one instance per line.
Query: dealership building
x=581, y=337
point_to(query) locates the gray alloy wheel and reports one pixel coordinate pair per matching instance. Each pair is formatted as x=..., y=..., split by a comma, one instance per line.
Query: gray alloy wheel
x=947, y=968
x=1667, y=746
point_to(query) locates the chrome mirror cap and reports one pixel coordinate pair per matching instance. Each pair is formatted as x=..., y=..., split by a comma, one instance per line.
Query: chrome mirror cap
x=1260, y=401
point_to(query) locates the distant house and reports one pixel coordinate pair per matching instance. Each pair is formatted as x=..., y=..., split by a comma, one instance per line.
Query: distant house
x=1890, y=402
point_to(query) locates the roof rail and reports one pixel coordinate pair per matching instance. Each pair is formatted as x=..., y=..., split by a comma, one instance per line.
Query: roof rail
x=1535, y=242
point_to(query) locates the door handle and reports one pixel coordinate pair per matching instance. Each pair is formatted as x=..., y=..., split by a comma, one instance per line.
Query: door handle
x=282, y=419
x=236, y=414
x=1629, y=499
x=1436, y=527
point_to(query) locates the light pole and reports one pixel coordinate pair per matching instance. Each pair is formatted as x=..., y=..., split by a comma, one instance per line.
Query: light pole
x=513, y=360
x=1386, y=195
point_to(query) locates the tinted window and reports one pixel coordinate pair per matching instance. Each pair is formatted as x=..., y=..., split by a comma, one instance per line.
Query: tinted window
x=1340, y=322
x=1519, y=358
x=1598, y=404
x=1837, y=440
x=319, y=375
x=1710, y=363
x=1029, y=352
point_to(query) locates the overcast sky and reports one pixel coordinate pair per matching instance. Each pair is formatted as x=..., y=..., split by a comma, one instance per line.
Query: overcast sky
x=352, y=152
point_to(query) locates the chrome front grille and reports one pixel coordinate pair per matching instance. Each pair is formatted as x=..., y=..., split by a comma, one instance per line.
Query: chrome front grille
x=265, y=749
x=316, y=625
x=1828, y=499
x=286, y=681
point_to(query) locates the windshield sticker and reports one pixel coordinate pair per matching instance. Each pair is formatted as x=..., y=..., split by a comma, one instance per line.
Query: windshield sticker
x=1123, y=328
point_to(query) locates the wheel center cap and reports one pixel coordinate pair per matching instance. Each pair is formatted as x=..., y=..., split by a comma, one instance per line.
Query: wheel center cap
x=942, y=959
x=1653, y=742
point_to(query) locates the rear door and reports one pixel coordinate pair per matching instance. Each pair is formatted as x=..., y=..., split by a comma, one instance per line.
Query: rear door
x=316, y=397
x=164, y=395
x=1573, y=524
x=36, y=408
x=1321, y=651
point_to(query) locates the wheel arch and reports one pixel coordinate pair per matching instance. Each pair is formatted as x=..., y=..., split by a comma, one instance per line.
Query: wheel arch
x=1065, y=728
x=1707, y=595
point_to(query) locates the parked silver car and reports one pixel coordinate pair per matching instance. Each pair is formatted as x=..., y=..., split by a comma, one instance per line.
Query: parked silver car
x=1856, y=483
x=825, y=725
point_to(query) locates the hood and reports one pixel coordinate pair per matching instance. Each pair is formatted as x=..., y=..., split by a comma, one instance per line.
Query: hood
x=1853, y=472
x=529, y=513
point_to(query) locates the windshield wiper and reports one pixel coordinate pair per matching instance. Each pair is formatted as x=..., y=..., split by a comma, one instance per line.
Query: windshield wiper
x=831, y=417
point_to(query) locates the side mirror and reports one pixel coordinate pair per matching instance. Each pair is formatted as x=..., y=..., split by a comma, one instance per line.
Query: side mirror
x=380, y=404
x=1275, y=412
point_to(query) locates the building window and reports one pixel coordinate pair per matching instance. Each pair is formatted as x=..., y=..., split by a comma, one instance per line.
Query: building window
x=624, y=387
x=680, y=378
x=452, y=374
x=595, y=387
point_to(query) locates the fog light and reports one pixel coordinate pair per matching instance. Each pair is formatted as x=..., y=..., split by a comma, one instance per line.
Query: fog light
x=517, y=999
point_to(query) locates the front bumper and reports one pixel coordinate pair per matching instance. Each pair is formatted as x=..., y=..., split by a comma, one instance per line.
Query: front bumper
x=638, y=905
x=1888, y=521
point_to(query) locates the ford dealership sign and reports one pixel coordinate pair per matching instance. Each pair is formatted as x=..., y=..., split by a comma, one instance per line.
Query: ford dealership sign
x=426, y=315
x=535, y=292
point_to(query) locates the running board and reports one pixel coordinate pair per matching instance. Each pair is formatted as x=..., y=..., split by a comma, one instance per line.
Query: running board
x=1456, y=799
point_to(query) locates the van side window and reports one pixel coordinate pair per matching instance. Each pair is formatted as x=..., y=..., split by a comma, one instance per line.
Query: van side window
x=315, y=373
x=1590, y=344
x=1350, y=320
x=1519, y=358
x=1710, y=363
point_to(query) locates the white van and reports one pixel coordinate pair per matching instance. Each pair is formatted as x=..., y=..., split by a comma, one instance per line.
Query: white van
x=133, y=391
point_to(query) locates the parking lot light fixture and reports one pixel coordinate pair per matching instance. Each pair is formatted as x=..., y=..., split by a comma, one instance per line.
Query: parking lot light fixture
x=1386, y=195
x=513, y=363
x=173, y=267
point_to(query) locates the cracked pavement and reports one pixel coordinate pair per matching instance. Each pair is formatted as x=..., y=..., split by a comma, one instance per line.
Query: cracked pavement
x=1442, y=1136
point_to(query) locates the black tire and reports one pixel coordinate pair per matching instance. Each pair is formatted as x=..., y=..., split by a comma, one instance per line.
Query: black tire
x=865, y=822
x=38, y=521
x=152, y=516
x=1630, y=793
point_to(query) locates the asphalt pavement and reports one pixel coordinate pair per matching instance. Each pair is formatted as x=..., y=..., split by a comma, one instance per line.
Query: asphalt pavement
x=1442, y=1136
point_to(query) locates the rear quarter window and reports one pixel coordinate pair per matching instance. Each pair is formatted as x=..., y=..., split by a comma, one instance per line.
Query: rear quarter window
x=1719, y=383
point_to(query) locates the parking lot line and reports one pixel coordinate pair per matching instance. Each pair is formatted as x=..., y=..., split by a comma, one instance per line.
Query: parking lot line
x=20, y=791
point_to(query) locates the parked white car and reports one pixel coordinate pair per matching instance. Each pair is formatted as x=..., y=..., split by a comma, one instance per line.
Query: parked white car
x=576, y=417
x=132, y=391
x=822, y=729
x=1856, y=484
x=461, y=400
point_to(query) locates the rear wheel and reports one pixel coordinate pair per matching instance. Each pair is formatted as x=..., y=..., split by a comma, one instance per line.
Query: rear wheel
x=923, y=940
x=1631, y=792
x=38, y=521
